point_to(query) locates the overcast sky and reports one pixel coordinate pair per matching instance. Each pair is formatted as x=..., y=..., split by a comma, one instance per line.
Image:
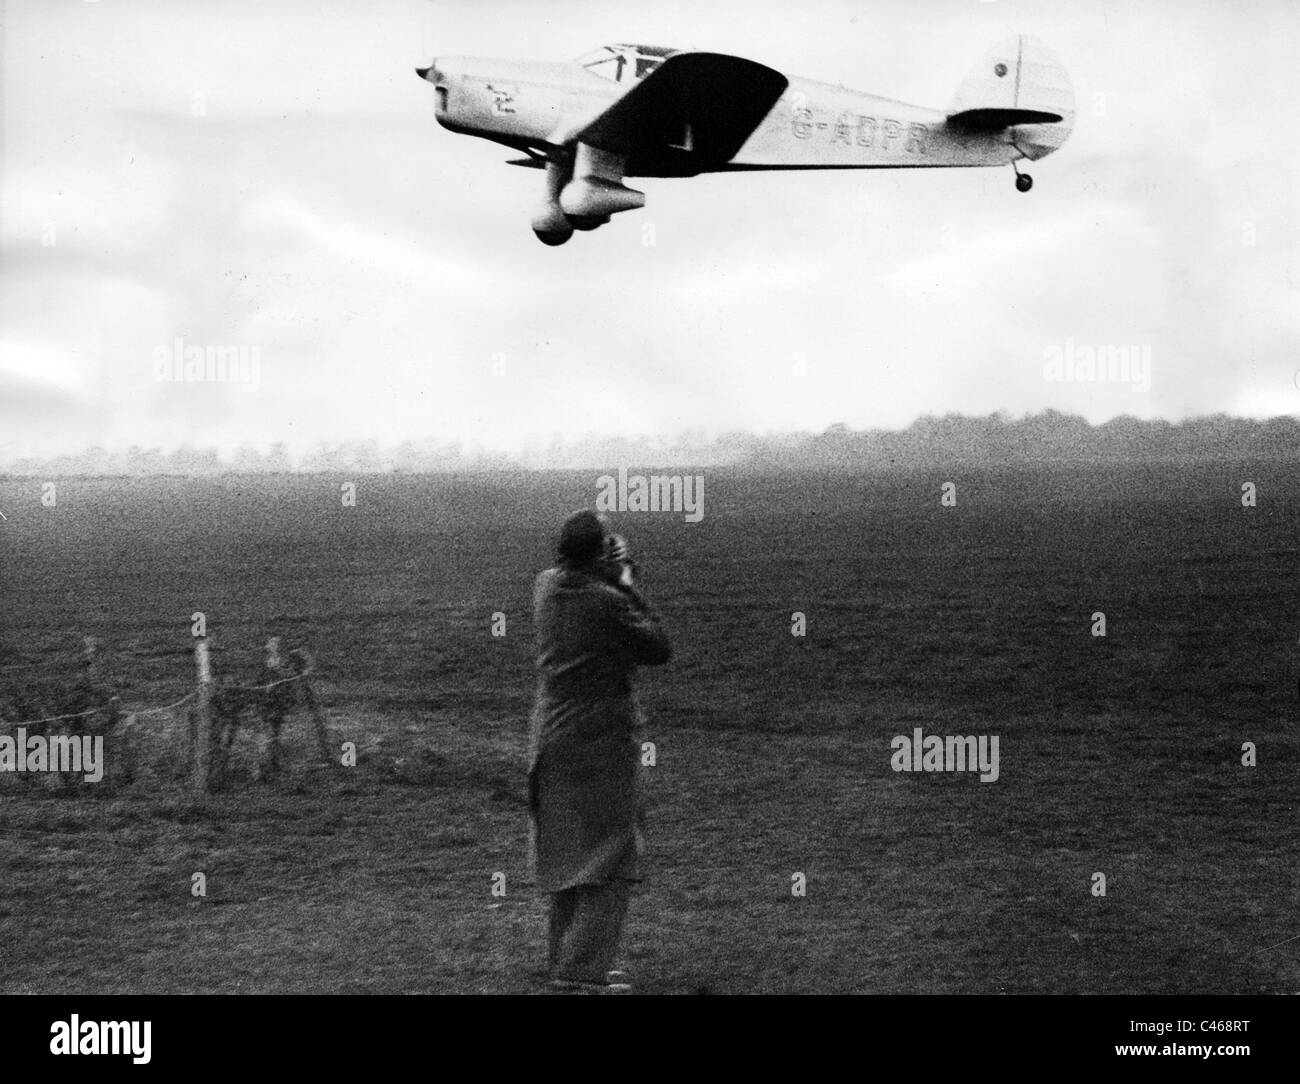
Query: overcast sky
x=385, y=270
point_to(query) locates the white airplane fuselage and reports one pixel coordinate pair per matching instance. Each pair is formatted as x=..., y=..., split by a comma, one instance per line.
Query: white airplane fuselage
x=813, y=125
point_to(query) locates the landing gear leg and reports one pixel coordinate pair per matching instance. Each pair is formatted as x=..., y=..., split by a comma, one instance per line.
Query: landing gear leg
x=550, y=225
x=1024, y=182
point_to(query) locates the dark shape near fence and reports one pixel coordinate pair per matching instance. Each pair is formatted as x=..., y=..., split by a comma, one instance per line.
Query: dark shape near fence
x=214, y=719
x=220, y=711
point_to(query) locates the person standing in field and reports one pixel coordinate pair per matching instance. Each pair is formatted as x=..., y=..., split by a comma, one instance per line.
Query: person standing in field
x=593, y=629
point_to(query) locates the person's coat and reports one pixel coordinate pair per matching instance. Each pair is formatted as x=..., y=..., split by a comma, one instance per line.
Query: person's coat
x=585, y=746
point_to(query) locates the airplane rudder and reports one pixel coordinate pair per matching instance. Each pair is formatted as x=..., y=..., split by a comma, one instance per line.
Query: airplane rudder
x=1021, y=72
x=1044, y=85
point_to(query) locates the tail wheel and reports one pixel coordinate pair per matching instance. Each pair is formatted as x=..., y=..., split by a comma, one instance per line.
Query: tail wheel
x=1024, y=182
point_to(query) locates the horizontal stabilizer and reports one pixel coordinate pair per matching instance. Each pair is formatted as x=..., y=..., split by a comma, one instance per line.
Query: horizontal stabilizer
x=1019, y=84
x=994, y=119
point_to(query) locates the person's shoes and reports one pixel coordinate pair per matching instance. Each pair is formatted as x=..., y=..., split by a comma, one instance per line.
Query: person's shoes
x=575, y=986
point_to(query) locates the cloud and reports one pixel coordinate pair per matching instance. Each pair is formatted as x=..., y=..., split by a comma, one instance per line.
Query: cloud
x=270, y=175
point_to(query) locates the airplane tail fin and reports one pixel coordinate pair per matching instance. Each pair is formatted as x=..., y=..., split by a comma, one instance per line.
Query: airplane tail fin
x=1020, y=85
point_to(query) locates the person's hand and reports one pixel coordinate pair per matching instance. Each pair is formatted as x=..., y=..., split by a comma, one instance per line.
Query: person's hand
x=616, y=548
x=619, y=557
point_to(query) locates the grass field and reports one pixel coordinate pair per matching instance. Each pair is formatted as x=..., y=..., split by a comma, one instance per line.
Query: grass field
x=1119, y=755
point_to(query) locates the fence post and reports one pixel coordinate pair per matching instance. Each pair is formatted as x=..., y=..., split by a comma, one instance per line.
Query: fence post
x=90, y=659
x=203, y=710
x=124, y=737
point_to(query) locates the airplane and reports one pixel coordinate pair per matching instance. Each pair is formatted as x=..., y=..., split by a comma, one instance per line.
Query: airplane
x=645, y=111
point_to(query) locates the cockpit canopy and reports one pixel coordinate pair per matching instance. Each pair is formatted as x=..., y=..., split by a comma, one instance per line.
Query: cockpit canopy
x=624, y=63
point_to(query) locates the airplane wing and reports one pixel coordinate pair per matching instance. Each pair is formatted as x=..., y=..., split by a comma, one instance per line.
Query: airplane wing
x=700, y=105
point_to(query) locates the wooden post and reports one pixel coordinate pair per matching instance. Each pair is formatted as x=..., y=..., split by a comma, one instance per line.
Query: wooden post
x=92, y=664
x=203, y=713
x=124, y=738
x=112, y=724
x=302, y=663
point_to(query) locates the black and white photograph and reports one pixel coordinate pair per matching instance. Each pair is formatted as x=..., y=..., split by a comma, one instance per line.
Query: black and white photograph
x=559, y=498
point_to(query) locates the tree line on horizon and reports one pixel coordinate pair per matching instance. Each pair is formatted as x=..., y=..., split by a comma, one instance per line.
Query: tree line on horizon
x=952, y=438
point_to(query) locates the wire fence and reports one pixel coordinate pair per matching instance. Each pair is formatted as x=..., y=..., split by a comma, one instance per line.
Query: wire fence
x=201, y=728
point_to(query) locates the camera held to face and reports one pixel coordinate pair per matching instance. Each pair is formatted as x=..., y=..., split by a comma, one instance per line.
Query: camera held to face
x=619, y=559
